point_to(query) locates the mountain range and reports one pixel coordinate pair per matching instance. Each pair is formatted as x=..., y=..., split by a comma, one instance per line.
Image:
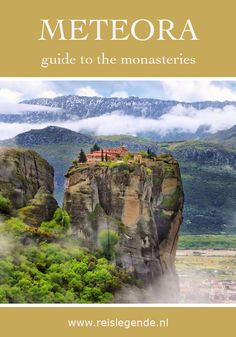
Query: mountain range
x=208, y=169
x=76, y=108
x=227, y=137
x=84, y=107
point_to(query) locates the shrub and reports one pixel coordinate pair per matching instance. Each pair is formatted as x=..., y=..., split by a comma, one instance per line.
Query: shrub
x=143, y=153
x=127, y=157
x=59, y=224
x=108, y=240
x=16, y=226
x=62, y=218
x=5, y=205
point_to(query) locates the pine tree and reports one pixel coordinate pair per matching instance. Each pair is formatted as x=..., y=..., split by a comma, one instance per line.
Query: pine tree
x=82, y=157
x=151, y=154
x=94, y=148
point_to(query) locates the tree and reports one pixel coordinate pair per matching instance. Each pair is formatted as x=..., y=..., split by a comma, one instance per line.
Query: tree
x=108, y=240
x=94, y=148
x=151, y=154
x=102, y=156
x=62, y=218
x=82, y=157
x=106, y=157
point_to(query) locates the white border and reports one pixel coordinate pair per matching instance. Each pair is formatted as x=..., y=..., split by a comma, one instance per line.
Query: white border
x=118, y=305
x=141, y=79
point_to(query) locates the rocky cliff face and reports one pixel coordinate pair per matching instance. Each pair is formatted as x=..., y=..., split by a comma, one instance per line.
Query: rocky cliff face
x=26, y=179
x=142, y=202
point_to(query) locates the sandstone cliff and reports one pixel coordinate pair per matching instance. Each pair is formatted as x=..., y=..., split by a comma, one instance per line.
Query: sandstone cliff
x=142, y=202
x=26, y=179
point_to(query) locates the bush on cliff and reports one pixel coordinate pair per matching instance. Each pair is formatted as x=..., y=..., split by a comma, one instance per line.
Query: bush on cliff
x=59, y=224
x=15, y=227
x=108, y=240
x=5, y=205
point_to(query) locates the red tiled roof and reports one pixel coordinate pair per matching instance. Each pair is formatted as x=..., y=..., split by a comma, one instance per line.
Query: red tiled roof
x=110, y=152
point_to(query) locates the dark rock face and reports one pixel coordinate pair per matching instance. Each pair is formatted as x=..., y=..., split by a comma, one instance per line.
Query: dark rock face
x=142, y=202
x=22, y=173
x=26, y=179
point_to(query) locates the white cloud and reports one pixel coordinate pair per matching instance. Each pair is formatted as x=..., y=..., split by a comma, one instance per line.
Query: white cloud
x=87, y=91
x=14, y=108
x=179, y=89
x=8, y=95
x=179, y=119
x=198, y=90
x=120, y=94
x=15, y=91
x=49, y=94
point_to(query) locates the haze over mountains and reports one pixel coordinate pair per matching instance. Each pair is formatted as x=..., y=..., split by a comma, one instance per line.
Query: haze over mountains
x=85, y=107
x=144, y=117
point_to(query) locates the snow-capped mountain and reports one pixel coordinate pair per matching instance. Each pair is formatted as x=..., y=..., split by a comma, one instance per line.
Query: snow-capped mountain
x=79, y=107
x=144, y=117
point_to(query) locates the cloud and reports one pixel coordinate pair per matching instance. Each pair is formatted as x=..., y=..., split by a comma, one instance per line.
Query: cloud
x=13, y=91
x=198, y=90
x=49, y=94
x=8, y=95
x=179, y=119
x=14, y=108
x=87, y=91
x=120, y=94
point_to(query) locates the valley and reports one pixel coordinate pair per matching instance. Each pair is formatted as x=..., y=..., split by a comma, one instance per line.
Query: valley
x=207, y=276
x=207, y=169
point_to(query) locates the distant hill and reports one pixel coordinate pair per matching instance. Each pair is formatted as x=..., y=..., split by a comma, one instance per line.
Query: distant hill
x=209, y=177
x=227, y=137
x=49, y=135
x=208, y=171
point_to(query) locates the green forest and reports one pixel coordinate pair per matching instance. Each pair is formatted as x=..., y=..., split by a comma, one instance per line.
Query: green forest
x=45, y=265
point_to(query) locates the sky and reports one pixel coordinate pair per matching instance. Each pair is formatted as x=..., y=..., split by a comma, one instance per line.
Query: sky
x=189, y=90
x=178, y=119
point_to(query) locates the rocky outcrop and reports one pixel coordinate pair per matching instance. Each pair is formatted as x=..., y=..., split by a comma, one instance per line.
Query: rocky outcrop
x=22, y=173
x=40, y=208
x=142, y=202
x=26, y=179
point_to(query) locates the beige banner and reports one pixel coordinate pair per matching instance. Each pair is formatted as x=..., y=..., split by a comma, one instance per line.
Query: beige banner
x=171, y=322
x=214, y=52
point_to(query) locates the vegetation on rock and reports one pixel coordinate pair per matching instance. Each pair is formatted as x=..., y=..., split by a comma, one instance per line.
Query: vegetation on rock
x=108, y=240
x=5, y=205
x=94, y=148
x=58, y=271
